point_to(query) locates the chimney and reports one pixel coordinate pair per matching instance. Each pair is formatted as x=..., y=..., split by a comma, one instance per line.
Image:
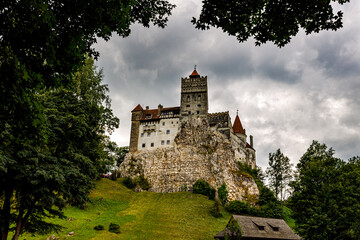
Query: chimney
x=147, y=107
x=160, y=108
x=251, y=141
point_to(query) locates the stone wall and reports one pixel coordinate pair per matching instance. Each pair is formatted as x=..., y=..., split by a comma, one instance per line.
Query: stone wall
x=198, y=153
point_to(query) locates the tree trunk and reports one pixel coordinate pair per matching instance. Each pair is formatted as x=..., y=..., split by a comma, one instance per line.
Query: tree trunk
x=19, y=224
x=5, y=218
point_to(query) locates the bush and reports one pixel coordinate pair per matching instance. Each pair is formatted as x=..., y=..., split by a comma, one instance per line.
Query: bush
x=129, y=183
x=269, y=205
x=215, y=210
x=235, y=230
x=241, y=208
x=222, y=193
x=202, y=187
x=115, y=228
x=142, y=182
x=99, y=227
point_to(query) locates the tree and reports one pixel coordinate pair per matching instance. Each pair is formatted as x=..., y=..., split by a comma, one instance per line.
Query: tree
x=279, y=173
x=41, y=176
x=42, y=44
x=269, y=20
x=326, y=193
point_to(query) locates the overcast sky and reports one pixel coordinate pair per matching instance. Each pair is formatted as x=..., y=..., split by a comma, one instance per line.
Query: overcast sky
x=286, y=97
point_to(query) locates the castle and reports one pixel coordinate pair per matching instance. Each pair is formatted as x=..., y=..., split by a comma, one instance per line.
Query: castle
x=157, y=128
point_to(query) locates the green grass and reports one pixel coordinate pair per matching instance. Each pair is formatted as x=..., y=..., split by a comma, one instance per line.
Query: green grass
x=144, y=215
x=288, y=219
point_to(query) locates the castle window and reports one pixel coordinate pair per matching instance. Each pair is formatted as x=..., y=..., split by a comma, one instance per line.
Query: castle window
x=167, y=131
x=148, y=134
x=142, y=134
x=187, y=105
x=199, y=97
x=189, y=112
x=162, y=142
x=148, y=116
x=197, y=112
x=199, y=105
x=163, y=123
x=168, y=142
x=172, y=122
x=143, y=145
x=152, y=144
x=188, y=99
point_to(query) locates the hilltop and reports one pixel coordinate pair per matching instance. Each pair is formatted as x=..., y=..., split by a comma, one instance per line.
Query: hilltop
x=144, y=215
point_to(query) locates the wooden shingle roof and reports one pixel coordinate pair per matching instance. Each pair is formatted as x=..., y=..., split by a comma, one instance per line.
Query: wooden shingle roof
x=261, y=228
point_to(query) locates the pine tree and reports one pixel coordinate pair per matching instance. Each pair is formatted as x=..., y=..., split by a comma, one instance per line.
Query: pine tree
x=279, y=173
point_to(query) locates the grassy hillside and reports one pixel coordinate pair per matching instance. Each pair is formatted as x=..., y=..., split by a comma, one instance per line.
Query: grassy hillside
x=145, y=215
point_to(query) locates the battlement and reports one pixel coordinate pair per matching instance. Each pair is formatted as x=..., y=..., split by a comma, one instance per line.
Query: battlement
x=191, y=85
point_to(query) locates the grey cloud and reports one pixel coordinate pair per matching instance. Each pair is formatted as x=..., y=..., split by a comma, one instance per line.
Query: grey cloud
x=284, y=95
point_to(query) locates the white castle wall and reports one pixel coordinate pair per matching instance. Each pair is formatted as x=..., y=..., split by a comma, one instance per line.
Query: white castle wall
x=158, y=134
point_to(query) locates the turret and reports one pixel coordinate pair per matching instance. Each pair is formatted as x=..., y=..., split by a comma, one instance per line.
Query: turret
x=135, y=126
x=239, y=130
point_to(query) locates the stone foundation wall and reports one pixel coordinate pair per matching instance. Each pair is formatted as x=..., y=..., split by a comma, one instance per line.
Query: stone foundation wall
x=198, y=153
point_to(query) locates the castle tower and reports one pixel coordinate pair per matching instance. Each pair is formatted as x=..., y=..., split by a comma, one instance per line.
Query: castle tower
x=135, y=126
x=194, y=96
x=238, y=129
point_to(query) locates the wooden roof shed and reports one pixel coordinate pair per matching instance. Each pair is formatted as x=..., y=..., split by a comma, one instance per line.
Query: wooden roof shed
x=258, y=228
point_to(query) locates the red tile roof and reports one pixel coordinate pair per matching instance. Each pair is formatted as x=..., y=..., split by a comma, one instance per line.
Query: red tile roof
x=170, y=109
x=194, y=74
x=237, y=127
x=249, y=146
x=137, y=108
x=153, y=113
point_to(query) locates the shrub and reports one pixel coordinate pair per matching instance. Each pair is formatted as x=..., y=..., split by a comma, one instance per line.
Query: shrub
x=235, y=230
x=142, y=182
x=215, y=210
x=129, y=183
x=115, y=228
x=239, y=207
x=202, y=187
x=183, y=188
x=222, y=193
x=99, y=227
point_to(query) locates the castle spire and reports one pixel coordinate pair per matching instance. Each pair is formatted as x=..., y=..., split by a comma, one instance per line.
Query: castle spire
x=194, y=74
x=237, y=127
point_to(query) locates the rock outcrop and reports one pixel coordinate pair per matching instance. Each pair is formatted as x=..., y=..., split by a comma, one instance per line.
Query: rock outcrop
x=198, y=153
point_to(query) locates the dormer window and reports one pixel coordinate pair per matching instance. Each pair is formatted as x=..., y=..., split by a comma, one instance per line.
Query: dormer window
x=274, y=228
x=148, y=116
x=259, y=225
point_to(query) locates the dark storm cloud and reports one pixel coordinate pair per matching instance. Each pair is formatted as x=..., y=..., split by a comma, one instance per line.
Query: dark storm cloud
x=337, y=61
x=308, y=90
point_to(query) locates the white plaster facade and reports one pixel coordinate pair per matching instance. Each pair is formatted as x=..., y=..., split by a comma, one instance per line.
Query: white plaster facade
x=158, y=134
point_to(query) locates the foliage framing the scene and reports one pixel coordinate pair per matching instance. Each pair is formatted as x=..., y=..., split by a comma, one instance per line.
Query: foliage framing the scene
x=42, y=45
x=326, y=193
x=40, y=176
x=269, y=20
